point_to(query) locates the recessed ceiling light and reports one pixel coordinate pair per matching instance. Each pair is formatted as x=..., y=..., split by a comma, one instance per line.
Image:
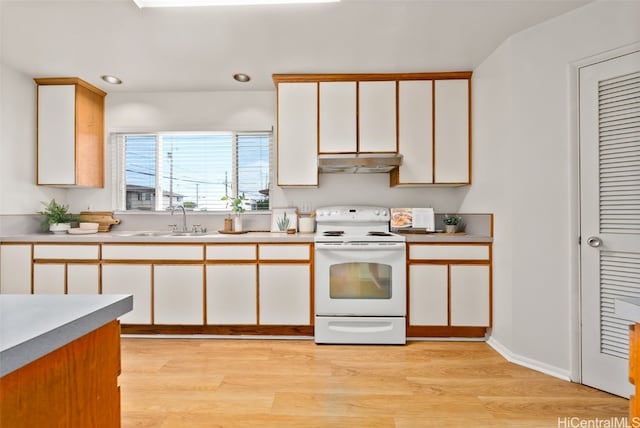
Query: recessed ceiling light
x=241, y=77
x=187, y=3
x=111, y=79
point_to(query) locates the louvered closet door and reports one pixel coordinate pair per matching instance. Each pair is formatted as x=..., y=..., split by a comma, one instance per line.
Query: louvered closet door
x=610, y=215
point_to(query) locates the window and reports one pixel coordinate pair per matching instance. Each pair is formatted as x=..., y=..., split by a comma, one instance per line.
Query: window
x=195, y=170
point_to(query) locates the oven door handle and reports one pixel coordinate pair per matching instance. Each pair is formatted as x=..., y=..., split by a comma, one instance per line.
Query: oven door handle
x=350, y=246
x=361, y=328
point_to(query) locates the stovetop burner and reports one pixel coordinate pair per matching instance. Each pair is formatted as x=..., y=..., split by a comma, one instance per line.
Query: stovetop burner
x=376, y=233
x=333, y=232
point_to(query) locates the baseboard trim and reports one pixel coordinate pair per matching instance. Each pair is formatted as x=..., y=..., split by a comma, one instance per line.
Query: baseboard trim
x=528, y=362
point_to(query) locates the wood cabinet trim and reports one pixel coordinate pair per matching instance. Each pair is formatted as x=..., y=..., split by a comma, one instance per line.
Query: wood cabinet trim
x=364, y=77
x=69, y=81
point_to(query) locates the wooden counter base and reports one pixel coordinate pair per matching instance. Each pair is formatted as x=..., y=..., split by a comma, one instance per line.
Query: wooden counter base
x=289, y=330
x=225, y=330
x=73, y=386
x=445, y=331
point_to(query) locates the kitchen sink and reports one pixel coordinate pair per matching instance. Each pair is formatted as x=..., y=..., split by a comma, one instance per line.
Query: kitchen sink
x=192, y=233
x=158, y=233
x=162, y=233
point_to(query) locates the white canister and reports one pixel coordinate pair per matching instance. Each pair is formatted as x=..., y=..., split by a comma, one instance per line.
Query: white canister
x=237, y=224
x=306, y=224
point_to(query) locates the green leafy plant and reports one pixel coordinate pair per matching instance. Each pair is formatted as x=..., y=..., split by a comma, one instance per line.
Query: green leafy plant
x=451, y=220
x=56, y=213
x=283, y=222
x=236, y=203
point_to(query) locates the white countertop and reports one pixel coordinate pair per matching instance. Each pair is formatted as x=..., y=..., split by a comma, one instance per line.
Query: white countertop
x=32, y=326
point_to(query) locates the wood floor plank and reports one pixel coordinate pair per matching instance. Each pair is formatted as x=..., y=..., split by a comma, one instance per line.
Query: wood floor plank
x=168, y=383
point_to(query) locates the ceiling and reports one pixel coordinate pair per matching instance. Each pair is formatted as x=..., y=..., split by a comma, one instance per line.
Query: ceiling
x=199, y=49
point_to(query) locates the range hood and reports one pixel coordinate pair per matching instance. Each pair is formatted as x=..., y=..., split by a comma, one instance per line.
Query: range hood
x=359, y=163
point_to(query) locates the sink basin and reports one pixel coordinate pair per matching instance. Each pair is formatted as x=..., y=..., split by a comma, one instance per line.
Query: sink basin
x=162, y=233
x=142, y=233
x=152, y=234
x=192, y=233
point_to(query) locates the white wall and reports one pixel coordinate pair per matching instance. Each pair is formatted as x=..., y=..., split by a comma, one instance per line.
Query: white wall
x=18, y=192
x=223, y=111
x=527, y=141
x=493, y=186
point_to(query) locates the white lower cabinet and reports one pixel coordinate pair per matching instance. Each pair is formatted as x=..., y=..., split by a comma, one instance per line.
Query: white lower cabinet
x=232, y=294
x=285, y=294
x=470, y=295
x=449, y=285
x=429, y=295
x=178, y=294
x=66, y=278
x=83, y=279
x=15, y=269
x=132, y=279
x=48, y=278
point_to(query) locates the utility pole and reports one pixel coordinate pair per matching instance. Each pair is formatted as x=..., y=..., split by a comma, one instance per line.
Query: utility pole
x=170, y=155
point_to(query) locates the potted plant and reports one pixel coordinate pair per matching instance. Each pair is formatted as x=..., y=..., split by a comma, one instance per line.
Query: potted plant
x=58, y=217
x=237, y=209
x=451, y=223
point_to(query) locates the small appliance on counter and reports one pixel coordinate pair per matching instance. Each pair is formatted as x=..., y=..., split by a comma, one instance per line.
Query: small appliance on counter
x=409, y=219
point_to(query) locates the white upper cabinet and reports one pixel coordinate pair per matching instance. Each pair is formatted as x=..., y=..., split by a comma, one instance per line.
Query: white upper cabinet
x=338, y=121
x=297, y=134
x=452, y=149
x=434, y=132
x=425, y=117
x=415, y=126
x=70, y=133
x=56, y=134
x=377, y=116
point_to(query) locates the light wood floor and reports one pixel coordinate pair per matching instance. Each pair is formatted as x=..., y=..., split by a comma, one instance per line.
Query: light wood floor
x=295, y=383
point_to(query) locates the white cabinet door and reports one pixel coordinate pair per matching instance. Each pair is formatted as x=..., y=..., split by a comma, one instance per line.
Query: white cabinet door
x=232, y=294
x=429, y=295
x=284, y=252
x=178, y=294
x=83, y=279
x=377, y=116
x=130, y=279
x=56, y=134
x=415, y=131
x=452, y=149
x=15, y=269
x=48, y=278
x=470, y=295
x=297, y=134
x=285, y=294
x=338, y=121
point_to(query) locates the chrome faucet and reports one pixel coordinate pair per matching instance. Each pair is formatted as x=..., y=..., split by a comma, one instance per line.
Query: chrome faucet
x=184, y=218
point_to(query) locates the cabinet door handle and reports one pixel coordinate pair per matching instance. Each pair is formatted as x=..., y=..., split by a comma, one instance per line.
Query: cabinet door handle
x=594, y=241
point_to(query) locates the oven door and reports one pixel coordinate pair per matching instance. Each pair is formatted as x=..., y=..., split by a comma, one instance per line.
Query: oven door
x=360, y=279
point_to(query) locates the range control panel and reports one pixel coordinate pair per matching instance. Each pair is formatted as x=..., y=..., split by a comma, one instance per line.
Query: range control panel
x=352, y=214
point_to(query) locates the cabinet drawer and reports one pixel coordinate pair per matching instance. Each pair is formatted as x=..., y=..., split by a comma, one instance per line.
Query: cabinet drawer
x=231, y=252
x=152, y=252
x=449, y=252
x=284, y=252
x=66, y=252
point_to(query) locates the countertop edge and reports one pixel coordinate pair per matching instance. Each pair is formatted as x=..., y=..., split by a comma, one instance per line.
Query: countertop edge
x=24, y=353
x=250, y=237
